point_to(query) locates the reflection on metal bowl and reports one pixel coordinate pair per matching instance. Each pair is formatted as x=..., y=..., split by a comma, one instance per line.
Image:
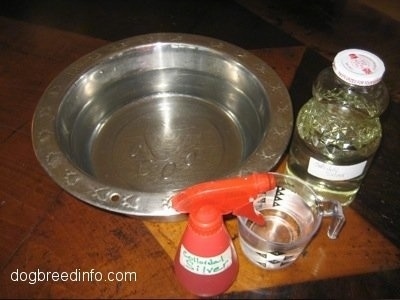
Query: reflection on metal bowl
x=128, y=125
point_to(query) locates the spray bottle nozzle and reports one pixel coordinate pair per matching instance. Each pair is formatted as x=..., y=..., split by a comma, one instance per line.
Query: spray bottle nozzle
x=232, y=195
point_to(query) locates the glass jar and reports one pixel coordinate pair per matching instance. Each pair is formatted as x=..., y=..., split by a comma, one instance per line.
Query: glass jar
x=338, y=130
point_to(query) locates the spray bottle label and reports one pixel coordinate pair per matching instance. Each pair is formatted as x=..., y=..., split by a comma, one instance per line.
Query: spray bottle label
x=205, y=265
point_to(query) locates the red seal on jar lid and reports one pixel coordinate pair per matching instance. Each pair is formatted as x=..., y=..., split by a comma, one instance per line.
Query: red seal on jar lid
x=358, y=67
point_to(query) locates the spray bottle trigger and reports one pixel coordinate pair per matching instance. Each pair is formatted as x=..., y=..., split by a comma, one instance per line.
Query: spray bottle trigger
x=247, y=210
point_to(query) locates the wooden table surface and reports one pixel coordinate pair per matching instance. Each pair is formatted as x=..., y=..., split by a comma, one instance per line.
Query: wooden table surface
x=43, y=228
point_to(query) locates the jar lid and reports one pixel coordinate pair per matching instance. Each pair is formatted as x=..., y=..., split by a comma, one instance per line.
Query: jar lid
x=358, y=67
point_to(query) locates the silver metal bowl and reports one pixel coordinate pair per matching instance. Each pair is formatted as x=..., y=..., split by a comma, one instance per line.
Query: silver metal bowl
x=130, y=124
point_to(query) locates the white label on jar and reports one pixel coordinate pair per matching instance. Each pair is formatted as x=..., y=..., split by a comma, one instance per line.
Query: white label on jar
x=332, y=172
x=205, y=265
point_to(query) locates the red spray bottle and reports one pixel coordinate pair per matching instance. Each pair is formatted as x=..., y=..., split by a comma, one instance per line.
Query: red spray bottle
x=206, y=262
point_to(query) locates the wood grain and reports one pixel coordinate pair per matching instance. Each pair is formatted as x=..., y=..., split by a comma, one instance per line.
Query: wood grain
x=45, y=229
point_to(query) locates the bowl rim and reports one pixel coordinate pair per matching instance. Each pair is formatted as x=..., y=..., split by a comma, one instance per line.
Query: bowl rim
x=156, y=205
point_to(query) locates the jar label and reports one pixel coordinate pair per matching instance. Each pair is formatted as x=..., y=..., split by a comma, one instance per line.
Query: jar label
x=205, y=265
x=333, y=172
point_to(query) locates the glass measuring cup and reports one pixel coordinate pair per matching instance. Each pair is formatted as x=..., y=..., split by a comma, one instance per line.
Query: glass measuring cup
x=292, y=213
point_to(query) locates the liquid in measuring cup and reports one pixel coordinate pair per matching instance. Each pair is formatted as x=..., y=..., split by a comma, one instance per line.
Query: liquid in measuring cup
x=292, y=213
x=288, y=222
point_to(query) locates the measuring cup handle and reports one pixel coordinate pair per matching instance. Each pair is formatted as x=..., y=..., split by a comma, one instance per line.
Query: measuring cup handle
x=333, y=209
